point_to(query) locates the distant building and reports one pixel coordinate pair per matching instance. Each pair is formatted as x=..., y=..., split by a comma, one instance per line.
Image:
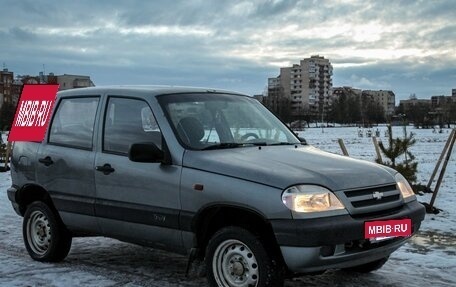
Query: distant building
x=453, y=93
x=386, y=99
x=16, y=91
x=276, y=99
x=440, y=100
x=441, y=107
x=304, y=87
x=11, y=88
x=411, y=103
x=46, y=79
x=27, y=79
x=6, y=85
x=274, y=92
x=73, y=82
x=346, y=91
x=65, y=81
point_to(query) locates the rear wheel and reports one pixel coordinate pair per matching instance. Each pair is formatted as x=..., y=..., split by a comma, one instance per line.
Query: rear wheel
x=45, y=237
x=237, y=258
x=368, y=267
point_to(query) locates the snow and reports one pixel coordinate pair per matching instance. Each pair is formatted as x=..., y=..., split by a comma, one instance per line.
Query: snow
x=428, y=259
x=427, y=150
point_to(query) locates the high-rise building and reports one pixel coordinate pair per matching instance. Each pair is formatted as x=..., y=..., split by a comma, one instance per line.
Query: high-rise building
x=6, y=85
x=306, y=86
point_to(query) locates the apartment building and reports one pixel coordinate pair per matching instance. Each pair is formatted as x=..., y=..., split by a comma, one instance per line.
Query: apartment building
x=307, y=86
x=347, y=92
x=386, y=99
x=6, y=86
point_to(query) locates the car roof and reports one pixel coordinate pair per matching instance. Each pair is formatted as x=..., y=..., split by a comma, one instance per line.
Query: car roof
x=150, y=90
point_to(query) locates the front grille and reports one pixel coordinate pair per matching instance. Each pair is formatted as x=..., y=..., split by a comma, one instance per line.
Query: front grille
x=369, y=202
x=361, y=201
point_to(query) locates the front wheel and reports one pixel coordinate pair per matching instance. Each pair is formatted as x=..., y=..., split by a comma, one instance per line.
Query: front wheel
x=237, y=258
x=45, y=237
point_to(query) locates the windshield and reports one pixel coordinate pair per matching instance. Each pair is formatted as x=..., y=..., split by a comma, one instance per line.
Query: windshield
x=213, y=121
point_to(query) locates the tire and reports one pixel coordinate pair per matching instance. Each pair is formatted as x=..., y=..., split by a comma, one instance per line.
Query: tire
x=45, y=237
x=237, y=258
x=368, y=267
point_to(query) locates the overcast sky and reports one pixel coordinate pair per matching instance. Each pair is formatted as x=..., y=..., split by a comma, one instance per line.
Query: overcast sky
x=404, y=46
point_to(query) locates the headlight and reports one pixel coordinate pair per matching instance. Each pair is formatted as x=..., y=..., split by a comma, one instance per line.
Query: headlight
x=404, y=186
x=310, y=198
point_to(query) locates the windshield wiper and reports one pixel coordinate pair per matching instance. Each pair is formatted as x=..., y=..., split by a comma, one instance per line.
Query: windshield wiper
x=258, y=144
x=223, y=145
x=234, y=145
x=283, y=143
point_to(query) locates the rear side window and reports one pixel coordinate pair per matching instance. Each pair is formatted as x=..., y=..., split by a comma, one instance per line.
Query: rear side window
x=129, y=121
x=74, y=121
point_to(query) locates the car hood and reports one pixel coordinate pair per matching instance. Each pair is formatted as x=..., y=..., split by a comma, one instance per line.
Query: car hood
x=283, y=166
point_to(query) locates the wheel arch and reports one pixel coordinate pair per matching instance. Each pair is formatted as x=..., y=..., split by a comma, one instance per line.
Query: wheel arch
x=30, y=193
x=212, y=218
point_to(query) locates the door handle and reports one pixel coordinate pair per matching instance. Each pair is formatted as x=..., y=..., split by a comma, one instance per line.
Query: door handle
x=47, y=161
x=105, y=169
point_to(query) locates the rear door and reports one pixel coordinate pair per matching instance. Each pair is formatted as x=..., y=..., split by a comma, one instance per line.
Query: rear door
x=135, y=201
x=65, y=166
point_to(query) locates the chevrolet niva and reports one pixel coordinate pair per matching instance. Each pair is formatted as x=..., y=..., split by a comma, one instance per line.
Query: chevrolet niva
x=210, y=174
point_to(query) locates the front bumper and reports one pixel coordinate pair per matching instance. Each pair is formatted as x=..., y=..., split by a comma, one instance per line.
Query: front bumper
x=310, y=245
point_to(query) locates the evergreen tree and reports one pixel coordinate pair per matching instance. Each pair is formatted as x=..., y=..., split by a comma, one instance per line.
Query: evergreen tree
x=400, y=147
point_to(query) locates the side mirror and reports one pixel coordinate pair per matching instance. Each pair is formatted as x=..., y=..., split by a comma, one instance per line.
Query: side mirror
x=303, y=140
x=145, y=152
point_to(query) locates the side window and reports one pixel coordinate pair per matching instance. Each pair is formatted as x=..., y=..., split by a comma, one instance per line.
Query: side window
x=73, y=122
x=128, y=121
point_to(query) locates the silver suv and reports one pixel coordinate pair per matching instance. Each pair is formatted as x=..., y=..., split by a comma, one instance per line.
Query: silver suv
x=207, y=173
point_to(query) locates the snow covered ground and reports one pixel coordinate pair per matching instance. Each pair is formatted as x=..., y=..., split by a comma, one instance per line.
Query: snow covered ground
x=427, y=150
x=428, y=259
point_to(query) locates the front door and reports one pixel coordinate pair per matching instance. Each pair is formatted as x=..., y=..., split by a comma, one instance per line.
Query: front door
x=135, y=201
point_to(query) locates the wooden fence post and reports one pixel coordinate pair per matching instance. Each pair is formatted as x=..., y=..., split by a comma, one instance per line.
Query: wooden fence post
x=442, y=172
x=342, y=147
x=377, y=150
x=437, y=166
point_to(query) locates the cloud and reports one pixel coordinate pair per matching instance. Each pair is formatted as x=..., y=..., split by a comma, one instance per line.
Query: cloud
x=234, y=44
x=21, y=34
